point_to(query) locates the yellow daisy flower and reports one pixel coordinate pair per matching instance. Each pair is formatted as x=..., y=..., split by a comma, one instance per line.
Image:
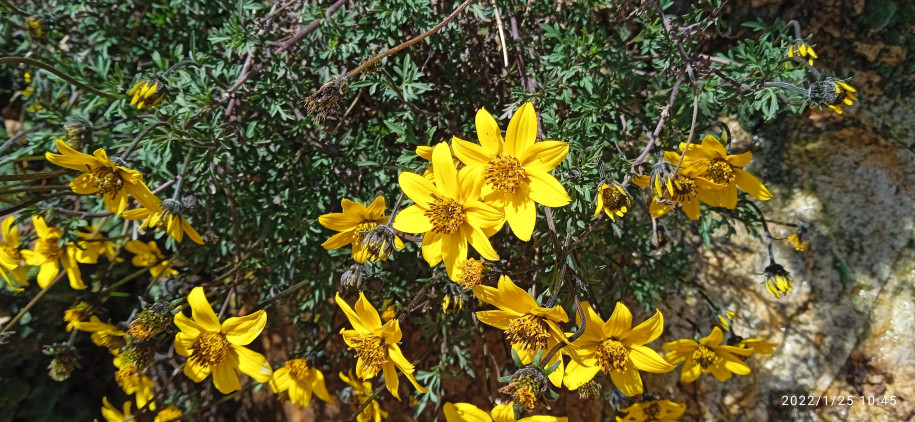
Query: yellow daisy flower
x=425, y=152
x=51, y=256
x=174, y=224
x=103, y=334
x=617, y=349
x=678, y=189
x=711, y=162
x=514, y=172
x=12, y=269
x=300, y=379
x=148, y=93
x=801, y=49
x=707, y=355
x=758, y=345
x=448, y=212
x=149, y=255
x=845, y=94
x=135, y=382
x=217, y=348
x=93, y=245
x=361, y=392
x=112, y=414
x=466, y=412
x=169, y=414
x=103, y=177
x=799, y=244
x=354, y=223
x=376, y=345
x=612, y=200
x=528, y=327
x=652, y=411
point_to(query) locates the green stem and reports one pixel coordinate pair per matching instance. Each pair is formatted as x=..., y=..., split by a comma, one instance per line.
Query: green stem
x=32, y=176
x=136, y=141
x=374, y=59
x=762, y=218
x=32, y=303
x=178, y=65
x=61, y=75
x=366, y=403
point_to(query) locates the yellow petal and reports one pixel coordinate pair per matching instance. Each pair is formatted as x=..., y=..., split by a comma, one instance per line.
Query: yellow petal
x=648, y=360
x=224, y=377
x=446, y=176
x=751, y=185
x=354, y=319
x=241, y=331
x=544, y=156
x=546, y=190
x=412, y=220
x=645, y=332
x=253, y=364
x=471, y=154
x=521, y=215
x=577, y=375
x=619, y=323
x=339, y=240
x=522, y=130
x=488, y=132
x=367, y=313
x=464, y=412
x=195, y=371
x=201, y=310
x=628, y=381
x=417, y=188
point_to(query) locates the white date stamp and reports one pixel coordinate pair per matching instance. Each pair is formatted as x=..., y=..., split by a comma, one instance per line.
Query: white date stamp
x=848, y=400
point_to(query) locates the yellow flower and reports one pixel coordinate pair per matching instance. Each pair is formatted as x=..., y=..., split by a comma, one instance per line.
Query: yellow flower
x=707, y=355
x=676, y=189
x=135, y=382
x=726, y=318
x=12, y=270
x=376, y=345
x=301, y=379
x=466, y=412
x=799, y=244
x=448, y=212
x=354, y=223
x=652, y=411
x=148, y=93
x=173, y=223
x=528, y=327
x=111, y=414
x=710, y=161
x=103, y=177
x=362, y=391
x=778, y=280
x=514, y=172
x=51, y=256
x=93, y=245
x=103, y=334
x=149, y=255
x=845, y=94
x=219, y=349
x=617, y=349
x=612, y=200
x=801, y=49
x=169, y=414
x=76, y=314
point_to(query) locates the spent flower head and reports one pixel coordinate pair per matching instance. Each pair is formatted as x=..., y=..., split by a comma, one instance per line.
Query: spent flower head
x=149, y=93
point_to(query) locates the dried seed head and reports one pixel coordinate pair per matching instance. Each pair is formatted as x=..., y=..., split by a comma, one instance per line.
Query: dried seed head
x=324, y=101
x=150, y=322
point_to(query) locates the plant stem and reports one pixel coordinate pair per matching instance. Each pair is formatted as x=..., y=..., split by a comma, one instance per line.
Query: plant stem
x=32, y=303
x=762, y=218
x=365, y=404
x=178, y=65
x=32, y=176
x=61, y=75
x=374, y=59
x=136, y=141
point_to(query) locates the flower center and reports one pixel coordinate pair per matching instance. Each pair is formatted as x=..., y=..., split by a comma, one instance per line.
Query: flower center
x=683, y=189
x=12, y=252
x=612, y=356
x=107, y=180
x=363, y=229
x=109, y=339
x=720, y=172
x=505, y=173
x=299, y=370
x=525, y=397
x=705, y=357
x=652, y=411
x=445, y=214
x=371, y=350
x=470, y=272
x=49, y=248
x=147, y=259
x=615, y=198
x=209, y=349
x=528, y=333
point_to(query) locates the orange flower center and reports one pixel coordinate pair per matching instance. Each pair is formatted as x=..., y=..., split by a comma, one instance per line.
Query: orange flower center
x=615, y=198
x=470, y=273
x=683, y=189
x=372, y=351
x=705, y=357
x=612, y=356
x=525, y=397
x=49, y=248
x=505, y=173
x=528, y=333
x=299, y=370
x=107, y=180
x=209, y=349
x=720, y=172
x=445, y=214
x=652, y=411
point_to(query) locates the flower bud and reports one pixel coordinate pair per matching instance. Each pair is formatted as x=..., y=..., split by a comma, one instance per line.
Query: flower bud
x=379, y=242
x=149, y=93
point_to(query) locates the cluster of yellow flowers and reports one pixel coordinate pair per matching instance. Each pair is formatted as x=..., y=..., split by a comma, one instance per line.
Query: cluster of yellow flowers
x=469, y=192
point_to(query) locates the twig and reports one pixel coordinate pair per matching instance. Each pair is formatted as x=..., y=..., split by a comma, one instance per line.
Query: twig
x=504, y=46
x=32, y=302
x=61, y=75
x=366, y=403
